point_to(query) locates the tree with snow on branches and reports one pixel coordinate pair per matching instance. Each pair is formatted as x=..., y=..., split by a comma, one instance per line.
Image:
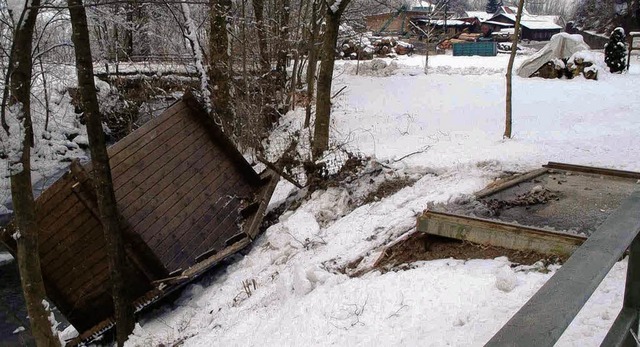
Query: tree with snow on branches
x=615, y=52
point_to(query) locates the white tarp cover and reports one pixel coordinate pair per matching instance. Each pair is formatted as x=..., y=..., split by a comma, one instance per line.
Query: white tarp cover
x=561, y=46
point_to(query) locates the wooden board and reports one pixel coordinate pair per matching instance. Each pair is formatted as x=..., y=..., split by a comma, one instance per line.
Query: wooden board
x=507, y=235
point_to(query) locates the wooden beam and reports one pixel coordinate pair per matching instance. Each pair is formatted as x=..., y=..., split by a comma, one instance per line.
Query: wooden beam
x=510, y=183
x=208, y=263
x=593, y=170
x=506, y=235
x=543, y=319
x=255, y=220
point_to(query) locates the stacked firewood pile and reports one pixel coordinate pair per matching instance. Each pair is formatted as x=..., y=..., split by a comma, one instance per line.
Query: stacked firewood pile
x=464, y=37
x=579, y=64
x=380, y=47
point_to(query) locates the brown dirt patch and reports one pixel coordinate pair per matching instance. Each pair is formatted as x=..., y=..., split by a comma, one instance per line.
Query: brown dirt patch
x=388, y=188
x=421, y=247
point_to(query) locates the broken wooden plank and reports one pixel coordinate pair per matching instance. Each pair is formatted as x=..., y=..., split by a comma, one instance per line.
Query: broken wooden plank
x=507, y=235
x=494, y=188
x=206, y=264
x=593, y=170
x=255, y=221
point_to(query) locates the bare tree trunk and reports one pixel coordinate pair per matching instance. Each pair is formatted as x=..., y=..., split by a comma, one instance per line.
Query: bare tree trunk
x=219, y=61
x=128, y=29
x=258, y=9
x=313, y=59
x=103, y=183
x=191, y=34
x=283, y=51
x=46, y=96
x=514, y=48
x=19, y=160
x=291, y=95
x=325, y=78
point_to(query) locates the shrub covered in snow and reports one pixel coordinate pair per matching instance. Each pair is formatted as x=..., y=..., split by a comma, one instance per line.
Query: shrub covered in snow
x=615, y=52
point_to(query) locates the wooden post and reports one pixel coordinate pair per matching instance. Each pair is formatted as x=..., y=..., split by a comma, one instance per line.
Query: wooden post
x=630, y=38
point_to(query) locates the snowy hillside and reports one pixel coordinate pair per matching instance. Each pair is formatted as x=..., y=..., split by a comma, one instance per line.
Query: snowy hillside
x=443, y=131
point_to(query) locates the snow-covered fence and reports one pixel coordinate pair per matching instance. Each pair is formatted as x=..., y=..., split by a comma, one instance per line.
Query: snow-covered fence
x=543, y=319
x=633, y=44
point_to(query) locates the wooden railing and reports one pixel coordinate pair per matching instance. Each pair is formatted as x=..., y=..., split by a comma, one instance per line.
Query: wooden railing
x=543, y=319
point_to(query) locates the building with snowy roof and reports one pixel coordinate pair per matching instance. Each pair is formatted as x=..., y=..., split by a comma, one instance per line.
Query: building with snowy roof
x=538, y=28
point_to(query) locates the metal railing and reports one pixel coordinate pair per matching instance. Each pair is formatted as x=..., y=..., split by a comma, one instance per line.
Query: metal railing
x=543, y=319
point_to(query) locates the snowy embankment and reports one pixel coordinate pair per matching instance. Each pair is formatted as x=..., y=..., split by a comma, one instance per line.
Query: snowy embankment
x=58, y=139
x=289, y=290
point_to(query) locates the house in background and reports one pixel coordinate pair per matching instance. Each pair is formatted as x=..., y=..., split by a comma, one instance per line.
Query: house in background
x=405, y=19
x=537, y=28
x=424, y=14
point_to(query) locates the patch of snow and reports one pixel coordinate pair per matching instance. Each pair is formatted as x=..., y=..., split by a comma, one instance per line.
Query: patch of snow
x=585, y=56
x=506, y=279
x=81, y=140
x=5, y=258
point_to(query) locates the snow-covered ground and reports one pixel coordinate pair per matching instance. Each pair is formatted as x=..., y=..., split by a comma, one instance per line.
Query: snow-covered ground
x=288, y=291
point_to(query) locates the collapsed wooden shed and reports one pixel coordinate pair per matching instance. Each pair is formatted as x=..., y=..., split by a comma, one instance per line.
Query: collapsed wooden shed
x=187, y=199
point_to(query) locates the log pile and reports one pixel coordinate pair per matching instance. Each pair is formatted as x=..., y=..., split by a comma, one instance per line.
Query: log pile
x=367, y=50
x=578, y=64
x=463, y=37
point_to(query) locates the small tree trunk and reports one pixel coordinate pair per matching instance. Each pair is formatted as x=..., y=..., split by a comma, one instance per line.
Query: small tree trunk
x=514, y=47
x=191, y=34
x=219, y=61
x=258, y=9
x=26, y=236
x=291, y=96
x=283, y=50
x=103, y=183
x=325, y=79
x=46, y=96
x=313, y=59
x=128, y=30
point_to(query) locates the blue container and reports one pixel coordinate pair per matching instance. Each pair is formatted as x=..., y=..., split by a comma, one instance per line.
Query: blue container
x=484, y=49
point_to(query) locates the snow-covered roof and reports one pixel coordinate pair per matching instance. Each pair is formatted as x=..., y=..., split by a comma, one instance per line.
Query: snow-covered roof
x=533, y=22
x=441, y=22
x=499, y=23
x=481, y=15
x=512, y=10
x=421, y=5
x=549, y=18
x=539, y=25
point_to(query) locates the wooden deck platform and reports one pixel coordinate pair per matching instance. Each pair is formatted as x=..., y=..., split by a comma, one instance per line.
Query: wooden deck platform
x=187, y=199
x=581, y=198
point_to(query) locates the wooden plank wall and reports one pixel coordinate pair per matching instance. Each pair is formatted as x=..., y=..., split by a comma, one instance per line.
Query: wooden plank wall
x=177, y=189
x=74, y=261
x=180, y=192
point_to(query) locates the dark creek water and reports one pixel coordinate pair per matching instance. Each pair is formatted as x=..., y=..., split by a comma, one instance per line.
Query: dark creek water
x=13, y=313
